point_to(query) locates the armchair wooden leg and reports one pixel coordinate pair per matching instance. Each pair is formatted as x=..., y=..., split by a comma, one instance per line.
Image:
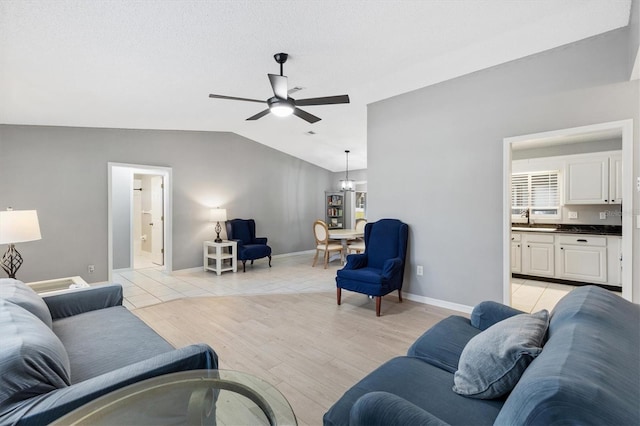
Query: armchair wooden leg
x=269, y=261
x=244, y=266
x=252, y=261
x=378, y=303
x=400, y=295
x=339, y=294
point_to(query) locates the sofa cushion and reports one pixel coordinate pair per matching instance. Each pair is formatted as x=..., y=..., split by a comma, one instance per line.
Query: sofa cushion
x=33, y=360
x=443, y=343
x=94, y=348
x=588, y=371
x=493, y=361
x=420, y=384
x=22, y=295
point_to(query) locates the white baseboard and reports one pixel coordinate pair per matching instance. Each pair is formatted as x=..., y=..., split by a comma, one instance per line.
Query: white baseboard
x=439, y=303
x=295, y=253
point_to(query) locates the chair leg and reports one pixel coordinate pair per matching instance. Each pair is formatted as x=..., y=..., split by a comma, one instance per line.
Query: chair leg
x=252, y=261
x=378, y=303
x=269, y=261
x=244, y=266
x=400, y=295
x=315, y=258
x=339, y=295
x=326, y=258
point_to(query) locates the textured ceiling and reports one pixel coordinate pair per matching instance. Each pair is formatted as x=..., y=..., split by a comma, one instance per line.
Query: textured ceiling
x=151, y=64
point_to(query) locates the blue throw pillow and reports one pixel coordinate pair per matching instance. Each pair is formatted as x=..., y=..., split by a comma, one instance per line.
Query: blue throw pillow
x=493, y=361
x=22, y=295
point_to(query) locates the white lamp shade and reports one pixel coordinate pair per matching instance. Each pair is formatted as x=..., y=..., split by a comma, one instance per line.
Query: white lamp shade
x=218, y=215
x=19, y=226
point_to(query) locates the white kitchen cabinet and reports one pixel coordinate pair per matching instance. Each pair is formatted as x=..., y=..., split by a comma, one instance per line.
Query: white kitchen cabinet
x=614, y=260
x=516, y=253
x=538, y=255
x=593, y=178
x=582, y=258
x=615, y=179
x=587, y=181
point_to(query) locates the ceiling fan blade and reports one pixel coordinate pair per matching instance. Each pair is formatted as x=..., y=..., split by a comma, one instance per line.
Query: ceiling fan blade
x=279, y=85
x=259, y=115
x=305, y=115
x=326, y=100
x=233, y=98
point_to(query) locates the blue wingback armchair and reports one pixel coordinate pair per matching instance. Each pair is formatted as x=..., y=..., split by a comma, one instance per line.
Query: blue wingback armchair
x=250, y=247
x=380, y=269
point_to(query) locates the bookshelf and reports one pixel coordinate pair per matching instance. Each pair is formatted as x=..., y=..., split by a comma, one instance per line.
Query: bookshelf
x=334, y=209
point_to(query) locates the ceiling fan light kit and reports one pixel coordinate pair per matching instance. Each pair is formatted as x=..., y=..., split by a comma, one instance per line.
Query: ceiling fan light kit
x=281, y=104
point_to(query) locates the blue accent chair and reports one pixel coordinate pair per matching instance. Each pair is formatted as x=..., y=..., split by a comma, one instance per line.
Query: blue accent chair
x=380, y=269
x=250, y=247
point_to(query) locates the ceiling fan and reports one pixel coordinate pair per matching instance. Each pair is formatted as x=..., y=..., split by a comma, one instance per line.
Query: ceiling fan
x=281, y=104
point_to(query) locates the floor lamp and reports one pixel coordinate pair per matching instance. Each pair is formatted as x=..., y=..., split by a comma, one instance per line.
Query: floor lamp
x=17, y=226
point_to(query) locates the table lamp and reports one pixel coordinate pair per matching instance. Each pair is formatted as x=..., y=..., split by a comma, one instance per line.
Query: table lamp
x=17, y=226
x=218, y=215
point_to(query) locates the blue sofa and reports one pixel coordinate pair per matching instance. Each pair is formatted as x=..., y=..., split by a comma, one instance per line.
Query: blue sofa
x=59, y=352
x=585, y=373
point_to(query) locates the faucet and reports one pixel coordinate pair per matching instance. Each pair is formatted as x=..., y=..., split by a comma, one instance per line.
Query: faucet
x=525, y=213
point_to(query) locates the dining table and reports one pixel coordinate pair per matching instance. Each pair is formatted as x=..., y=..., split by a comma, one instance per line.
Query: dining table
x=344, y=235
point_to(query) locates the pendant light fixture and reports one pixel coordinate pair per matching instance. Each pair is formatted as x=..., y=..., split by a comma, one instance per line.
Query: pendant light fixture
x=347, y=184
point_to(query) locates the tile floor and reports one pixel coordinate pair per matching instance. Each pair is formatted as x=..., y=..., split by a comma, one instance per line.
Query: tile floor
x=532, y=296
x=289, y=274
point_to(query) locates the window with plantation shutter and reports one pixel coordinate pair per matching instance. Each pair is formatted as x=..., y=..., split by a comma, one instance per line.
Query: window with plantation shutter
x=536, y=194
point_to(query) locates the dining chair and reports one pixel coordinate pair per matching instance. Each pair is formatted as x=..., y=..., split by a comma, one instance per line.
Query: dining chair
x=357, y=245
x=321, y=233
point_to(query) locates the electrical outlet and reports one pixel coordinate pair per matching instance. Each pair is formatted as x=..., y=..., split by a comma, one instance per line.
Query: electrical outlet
x=91, y=268
x=603, y=215
x=573, y=215
x=419, y=270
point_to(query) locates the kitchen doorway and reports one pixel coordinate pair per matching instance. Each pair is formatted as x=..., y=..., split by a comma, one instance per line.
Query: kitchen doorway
x=622, y=129
x=139, y=217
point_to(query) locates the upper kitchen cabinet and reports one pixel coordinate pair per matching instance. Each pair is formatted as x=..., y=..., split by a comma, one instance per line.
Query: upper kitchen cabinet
x=593, y=178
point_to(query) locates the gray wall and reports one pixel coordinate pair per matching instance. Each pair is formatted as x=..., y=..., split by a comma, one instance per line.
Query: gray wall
x=62, y=173
x=121, y=180
x=435, y=156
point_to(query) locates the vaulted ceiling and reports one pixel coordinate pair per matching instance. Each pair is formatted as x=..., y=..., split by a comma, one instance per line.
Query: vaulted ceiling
x=151, y=64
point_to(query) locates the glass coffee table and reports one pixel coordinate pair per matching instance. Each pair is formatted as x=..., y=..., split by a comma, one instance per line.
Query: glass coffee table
x=196, y=397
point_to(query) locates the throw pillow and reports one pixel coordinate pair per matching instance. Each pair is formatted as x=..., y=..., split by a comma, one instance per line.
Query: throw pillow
x=34, y=361
x=493, y=361
x=22, y=295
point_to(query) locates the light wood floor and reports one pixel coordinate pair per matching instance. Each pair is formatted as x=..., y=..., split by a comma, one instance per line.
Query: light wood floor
x=305, y=345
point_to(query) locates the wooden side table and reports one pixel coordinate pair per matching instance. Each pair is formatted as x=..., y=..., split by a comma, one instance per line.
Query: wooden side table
x=213, y=260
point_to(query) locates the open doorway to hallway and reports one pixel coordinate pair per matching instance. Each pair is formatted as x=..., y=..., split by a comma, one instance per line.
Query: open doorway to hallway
x=139, y=217
x=148, y=221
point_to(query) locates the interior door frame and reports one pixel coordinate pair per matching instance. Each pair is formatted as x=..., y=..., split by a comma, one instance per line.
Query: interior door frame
x=167, y=174
x=625, y=127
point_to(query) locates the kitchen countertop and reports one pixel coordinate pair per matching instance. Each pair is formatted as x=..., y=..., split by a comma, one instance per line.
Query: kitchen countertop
x=568, y=229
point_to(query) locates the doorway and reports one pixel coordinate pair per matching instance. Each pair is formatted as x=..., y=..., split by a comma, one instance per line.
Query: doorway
x=148, y=227
x=622, y=129
x=139, y=217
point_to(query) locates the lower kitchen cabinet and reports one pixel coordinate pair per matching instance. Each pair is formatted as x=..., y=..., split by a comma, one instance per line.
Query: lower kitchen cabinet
x=516, y=253
x=573, y=257
x=582, y=258
x=538, y=255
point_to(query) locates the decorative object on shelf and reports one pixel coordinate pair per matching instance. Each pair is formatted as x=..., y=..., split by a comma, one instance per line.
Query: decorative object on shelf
x=17, y=226
x=346, y=184
x=218, y=215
